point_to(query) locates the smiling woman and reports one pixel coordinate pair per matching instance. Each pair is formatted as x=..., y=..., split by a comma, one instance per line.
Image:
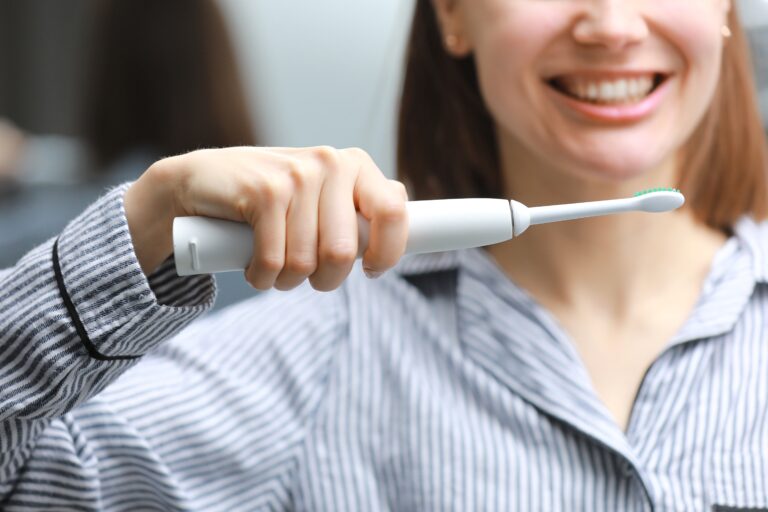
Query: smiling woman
x=616, y=363
x=446, y=127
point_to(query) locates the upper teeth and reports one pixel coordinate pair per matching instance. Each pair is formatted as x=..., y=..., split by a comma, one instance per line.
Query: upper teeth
x=608, y=91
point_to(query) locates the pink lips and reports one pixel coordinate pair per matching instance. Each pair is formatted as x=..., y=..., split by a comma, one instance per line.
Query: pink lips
x=616, y=113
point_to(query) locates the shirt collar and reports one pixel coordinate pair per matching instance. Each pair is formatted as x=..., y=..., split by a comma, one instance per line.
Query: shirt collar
x=506, y=343
x=737, y=268
x=754, y=237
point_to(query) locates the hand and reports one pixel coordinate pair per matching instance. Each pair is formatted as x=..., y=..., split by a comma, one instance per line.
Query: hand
x=301, y=204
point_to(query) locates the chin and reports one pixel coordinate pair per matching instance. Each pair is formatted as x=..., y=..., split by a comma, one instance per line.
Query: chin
x=617, y=166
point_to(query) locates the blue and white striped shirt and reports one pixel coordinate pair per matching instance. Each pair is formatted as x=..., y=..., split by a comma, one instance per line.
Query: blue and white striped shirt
x=441, y=386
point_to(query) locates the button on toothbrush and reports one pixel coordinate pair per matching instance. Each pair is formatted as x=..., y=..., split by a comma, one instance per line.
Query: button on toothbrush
x=203, y=245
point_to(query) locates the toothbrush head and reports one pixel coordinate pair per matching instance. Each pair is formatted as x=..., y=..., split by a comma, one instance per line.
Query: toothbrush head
x=659, y=199
x=653, y=200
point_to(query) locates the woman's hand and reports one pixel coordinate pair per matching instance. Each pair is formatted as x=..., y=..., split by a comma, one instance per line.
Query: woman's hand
x=301, y=204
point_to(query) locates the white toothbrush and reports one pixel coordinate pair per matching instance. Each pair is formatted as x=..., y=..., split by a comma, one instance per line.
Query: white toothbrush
x=203, y=245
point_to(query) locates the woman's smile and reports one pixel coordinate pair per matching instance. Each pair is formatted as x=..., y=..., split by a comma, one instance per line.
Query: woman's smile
x=610, y=90
x=610, y=96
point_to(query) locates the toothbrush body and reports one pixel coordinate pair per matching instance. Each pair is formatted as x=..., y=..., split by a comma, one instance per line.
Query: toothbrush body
x=204, y=245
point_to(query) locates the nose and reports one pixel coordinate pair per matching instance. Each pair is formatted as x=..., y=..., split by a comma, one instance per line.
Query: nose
x=612, y=24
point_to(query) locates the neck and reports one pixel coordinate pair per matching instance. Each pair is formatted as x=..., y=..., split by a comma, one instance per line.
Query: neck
x=615, y=263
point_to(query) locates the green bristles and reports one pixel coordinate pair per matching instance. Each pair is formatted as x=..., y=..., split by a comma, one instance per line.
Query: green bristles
x=652, y=190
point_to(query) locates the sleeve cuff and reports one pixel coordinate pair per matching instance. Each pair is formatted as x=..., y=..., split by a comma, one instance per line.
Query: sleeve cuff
x=123, y=313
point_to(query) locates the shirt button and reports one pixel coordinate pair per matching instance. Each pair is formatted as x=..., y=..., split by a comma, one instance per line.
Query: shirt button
x=627, y=470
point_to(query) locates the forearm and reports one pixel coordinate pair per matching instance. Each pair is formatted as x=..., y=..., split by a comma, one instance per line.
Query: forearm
x=76, y=312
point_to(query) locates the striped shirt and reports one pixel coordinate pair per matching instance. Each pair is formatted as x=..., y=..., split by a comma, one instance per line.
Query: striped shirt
x=441, y=386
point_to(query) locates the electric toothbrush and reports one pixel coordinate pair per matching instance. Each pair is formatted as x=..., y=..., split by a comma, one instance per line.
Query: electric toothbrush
x=203, y=245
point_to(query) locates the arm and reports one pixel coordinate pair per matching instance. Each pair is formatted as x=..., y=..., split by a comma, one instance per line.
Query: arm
x=81, y=309
x=74, y=314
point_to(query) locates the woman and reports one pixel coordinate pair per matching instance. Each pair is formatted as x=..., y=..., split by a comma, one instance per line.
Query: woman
x=612, y=364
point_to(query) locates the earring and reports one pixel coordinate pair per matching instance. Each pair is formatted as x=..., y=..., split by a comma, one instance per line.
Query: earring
x=725, y=31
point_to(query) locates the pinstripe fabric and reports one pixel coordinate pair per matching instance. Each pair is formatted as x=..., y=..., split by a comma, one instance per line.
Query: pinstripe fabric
x=441, y=386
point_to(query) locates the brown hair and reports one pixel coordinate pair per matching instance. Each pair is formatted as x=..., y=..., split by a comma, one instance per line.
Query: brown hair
x=163, y=76
x=447, y=145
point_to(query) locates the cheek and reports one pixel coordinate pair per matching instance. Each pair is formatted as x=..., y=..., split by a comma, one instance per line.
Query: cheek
x=693, y=32
x=507, y=54
x=698, y=42
x=517, y=41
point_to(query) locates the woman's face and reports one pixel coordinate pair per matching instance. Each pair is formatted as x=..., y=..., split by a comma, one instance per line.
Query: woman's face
x=605, y=89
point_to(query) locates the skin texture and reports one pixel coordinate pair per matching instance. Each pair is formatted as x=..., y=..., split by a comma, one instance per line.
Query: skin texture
x=620, y=286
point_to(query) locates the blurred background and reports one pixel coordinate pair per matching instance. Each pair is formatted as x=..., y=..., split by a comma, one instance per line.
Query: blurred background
x=93, y=91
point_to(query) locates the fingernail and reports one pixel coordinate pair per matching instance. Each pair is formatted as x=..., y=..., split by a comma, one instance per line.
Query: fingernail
x=372, y=274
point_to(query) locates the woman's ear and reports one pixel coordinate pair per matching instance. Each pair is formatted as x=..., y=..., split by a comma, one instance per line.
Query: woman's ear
x=450, y=18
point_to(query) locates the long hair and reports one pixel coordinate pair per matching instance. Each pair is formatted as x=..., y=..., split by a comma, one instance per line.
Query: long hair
x=163, y=75
x=447, y=145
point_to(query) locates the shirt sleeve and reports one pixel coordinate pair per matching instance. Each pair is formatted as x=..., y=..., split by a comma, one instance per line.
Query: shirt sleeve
x=75, y=313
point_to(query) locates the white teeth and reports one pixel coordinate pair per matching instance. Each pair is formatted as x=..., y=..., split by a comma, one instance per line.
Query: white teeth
x=620, y=89
x=606, y=91
x=593, y=91
x=633, y=89
x=623, y=90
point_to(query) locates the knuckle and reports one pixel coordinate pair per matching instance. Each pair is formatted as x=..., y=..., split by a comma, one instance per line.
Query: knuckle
x=358, y=154
x=326, y=155
x=274, y=190
x=247, y=190
x=299, y=173
x=271, y=263
x=338, y=254
x=399, y=187
x=391, y=211
x=245, y=198
x=267, y=189
x=301, y=264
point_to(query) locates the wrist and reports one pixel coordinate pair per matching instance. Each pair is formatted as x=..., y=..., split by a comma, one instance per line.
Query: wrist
x=149, y=212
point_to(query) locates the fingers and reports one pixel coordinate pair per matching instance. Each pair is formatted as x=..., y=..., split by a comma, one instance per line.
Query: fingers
x=388, y=232
x=337, y=248
x=301, y=239
x=302, y=205
x=269, y=239
x=382, y=202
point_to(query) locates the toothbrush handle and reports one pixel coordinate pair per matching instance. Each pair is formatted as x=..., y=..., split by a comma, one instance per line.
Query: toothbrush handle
x=203, y=245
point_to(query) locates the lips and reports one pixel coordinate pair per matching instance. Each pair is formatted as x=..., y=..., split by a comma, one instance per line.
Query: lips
x=612, y=97
x=610, y=89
